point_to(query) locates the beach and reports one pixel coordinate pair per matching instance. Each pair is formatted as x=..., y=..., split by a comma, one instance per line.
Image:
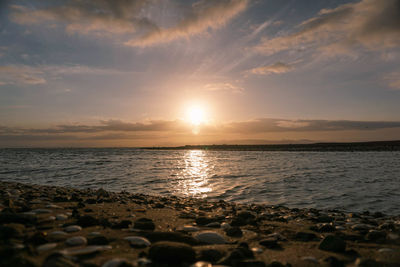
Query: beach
x=60, y=226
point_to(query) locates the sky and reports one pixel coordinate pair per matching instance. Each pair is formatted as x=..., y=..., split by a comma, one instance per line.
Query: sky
x=101, y=73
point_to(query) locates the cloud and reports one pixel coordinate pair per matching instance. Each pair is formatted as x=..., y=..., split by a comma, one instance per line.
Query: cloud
x=104, y=16
x=131, y=17
x=224, y=86
x=205, y=14
x=36, y=75
x=21, y=74
x=276, y=68
x=371, y=24
x=393, y=80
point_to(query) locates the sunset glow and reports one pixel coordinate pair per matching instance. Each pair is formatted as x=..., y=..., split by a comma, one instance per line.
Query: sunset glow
x=196, y=115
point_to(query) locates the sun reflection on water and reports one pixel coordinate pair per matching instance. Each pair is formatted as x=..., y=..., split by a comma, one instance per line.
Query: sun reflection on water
x=194, y=174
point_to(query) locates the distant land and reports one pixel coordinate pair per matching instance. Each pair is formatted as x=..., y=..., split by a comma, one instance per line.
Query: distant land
x=317, y=147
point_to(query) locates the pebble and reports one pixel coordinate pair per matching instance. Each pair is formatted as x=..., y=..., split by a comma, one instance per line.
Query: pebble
x=171, y=252
x=386, y=250
x=76, y=241
x=234, y=231
x=117, y=262
x=138, y=241
x=46, y=247
x=87, y=221
x=144, y=224
x=210, y=238
x=257, y=250
x=190, y=228
x=94, y=234
x=270, y=243
x=73, y=228
x=361, y=227
x=61, y=217
x=332, y=243
x=84, y=251
x=53, y=206
x=98, y=240
x=310, y=259
x=201, y=264
x=41, y=211
x=58, y=260
x=213, y=225
x=58, y=234
x=225, y=225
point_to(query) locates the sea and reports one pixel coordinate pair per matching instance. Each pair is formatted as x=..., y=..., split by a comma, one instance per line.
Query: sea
x=348, y=181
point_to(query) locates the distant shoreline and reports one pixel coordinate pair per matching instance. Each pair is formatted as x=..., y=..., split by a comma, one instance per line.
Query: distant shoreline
x=315, y=147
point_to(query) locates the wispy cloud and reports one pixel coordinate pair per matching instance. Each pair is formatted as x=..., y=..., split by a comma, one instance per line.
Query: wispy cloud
x=224, y=86
x=370, y=24
x=203, y=15
x=21, y=75
x=276, y=68
x=393, y=80
x=131, y=17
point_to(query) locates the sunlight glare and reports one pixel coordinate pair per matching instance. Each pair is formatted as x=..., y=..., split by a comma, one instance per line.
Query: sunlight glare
x=196, y=115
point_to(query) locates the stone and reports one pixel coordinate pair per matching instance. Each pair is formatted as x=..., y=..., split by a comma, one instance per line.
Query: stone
x=361, y=227
x=234, y=231
x=87, y=221
x=61, y=217
x=251, y=263
x=46, y=247
x=58, y=260
x=121, y=225
x=332, y=243
x=202, y=220
x=374, y=235
x=209, y=237
x=58, y=235
x=117, y=262
x=138, y=241
x=190, y=228
x=270, y=243
x=213, y=225
x=334, y=262
x=41, y=211
x=170, y=236
x=305, y=236
x=98, y=240
x=210, y=255
x=171, y=252
x=73, y=228
x=367, y=263
x=76, y=241
x=144, y=224
x=201, y=264
x=84, y=250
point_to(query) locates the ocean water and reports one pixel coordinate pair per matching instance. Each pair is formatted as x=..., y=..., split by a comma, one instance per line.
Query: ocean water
x=351, y=181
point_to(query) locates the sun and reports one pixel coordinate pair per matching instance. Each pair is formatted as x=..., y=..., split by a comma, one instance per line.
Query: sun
x=196, y=115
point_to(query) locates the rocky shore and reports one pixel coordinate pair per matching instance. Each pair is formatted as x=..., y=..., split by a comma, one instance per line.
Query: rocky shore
x=57, y=226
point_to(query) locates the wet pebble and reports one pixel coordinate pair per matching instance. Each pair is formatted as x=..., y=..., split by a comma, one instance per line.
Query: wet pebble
x=87, y=221
x=333, y=243
x=171, y=252
x=98, y=240
x=46, y=247
x=190, y=228
x=144, y=224
x=76, y=241
x=201, y=264
x=73, y=228
x=234, y=231
x=84, y=251
x=138, y=241
x=210, y=238
x=41, y=211
x=117, y=262
x=61, y=217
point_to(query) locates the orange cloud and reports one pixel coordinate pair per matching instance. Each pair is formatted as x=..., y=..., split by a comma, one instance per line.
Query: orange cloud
x=276, y=68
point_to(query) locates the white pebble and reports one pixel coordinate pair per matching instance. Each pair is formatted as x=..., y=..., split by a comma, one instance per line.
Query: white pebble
x=61, y=217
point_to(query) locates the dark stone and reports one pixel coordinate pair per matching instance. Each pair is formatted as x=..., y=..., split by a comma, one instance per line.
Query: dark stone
x=234, y=231
x=334, y=262
x=87, y=221
x=88, y=210
x=238, y=221
x=38, y=238
x=171, y=252
x=324, y=228
x=19, y=261
x=58, y=260
x=91, y=201
x=270, y=243
x=122, y=224
x=277, y=264
x=159, y=206
x=144, y=224
x=367, y=263
x=305, y=236
x=323, y=219
x=333, y=243
x=376, y=236
x=169, y=236
x=8, y=232
x=246, y=215
x=98, y=240
x=233, y=258
x=8, y=217
x=210, y=255
x=251, y=263
x=202, y=220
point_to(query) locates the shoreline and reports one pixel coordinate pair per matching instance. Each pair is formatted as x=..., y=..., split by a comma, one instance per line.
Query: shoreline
x=50, y=225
